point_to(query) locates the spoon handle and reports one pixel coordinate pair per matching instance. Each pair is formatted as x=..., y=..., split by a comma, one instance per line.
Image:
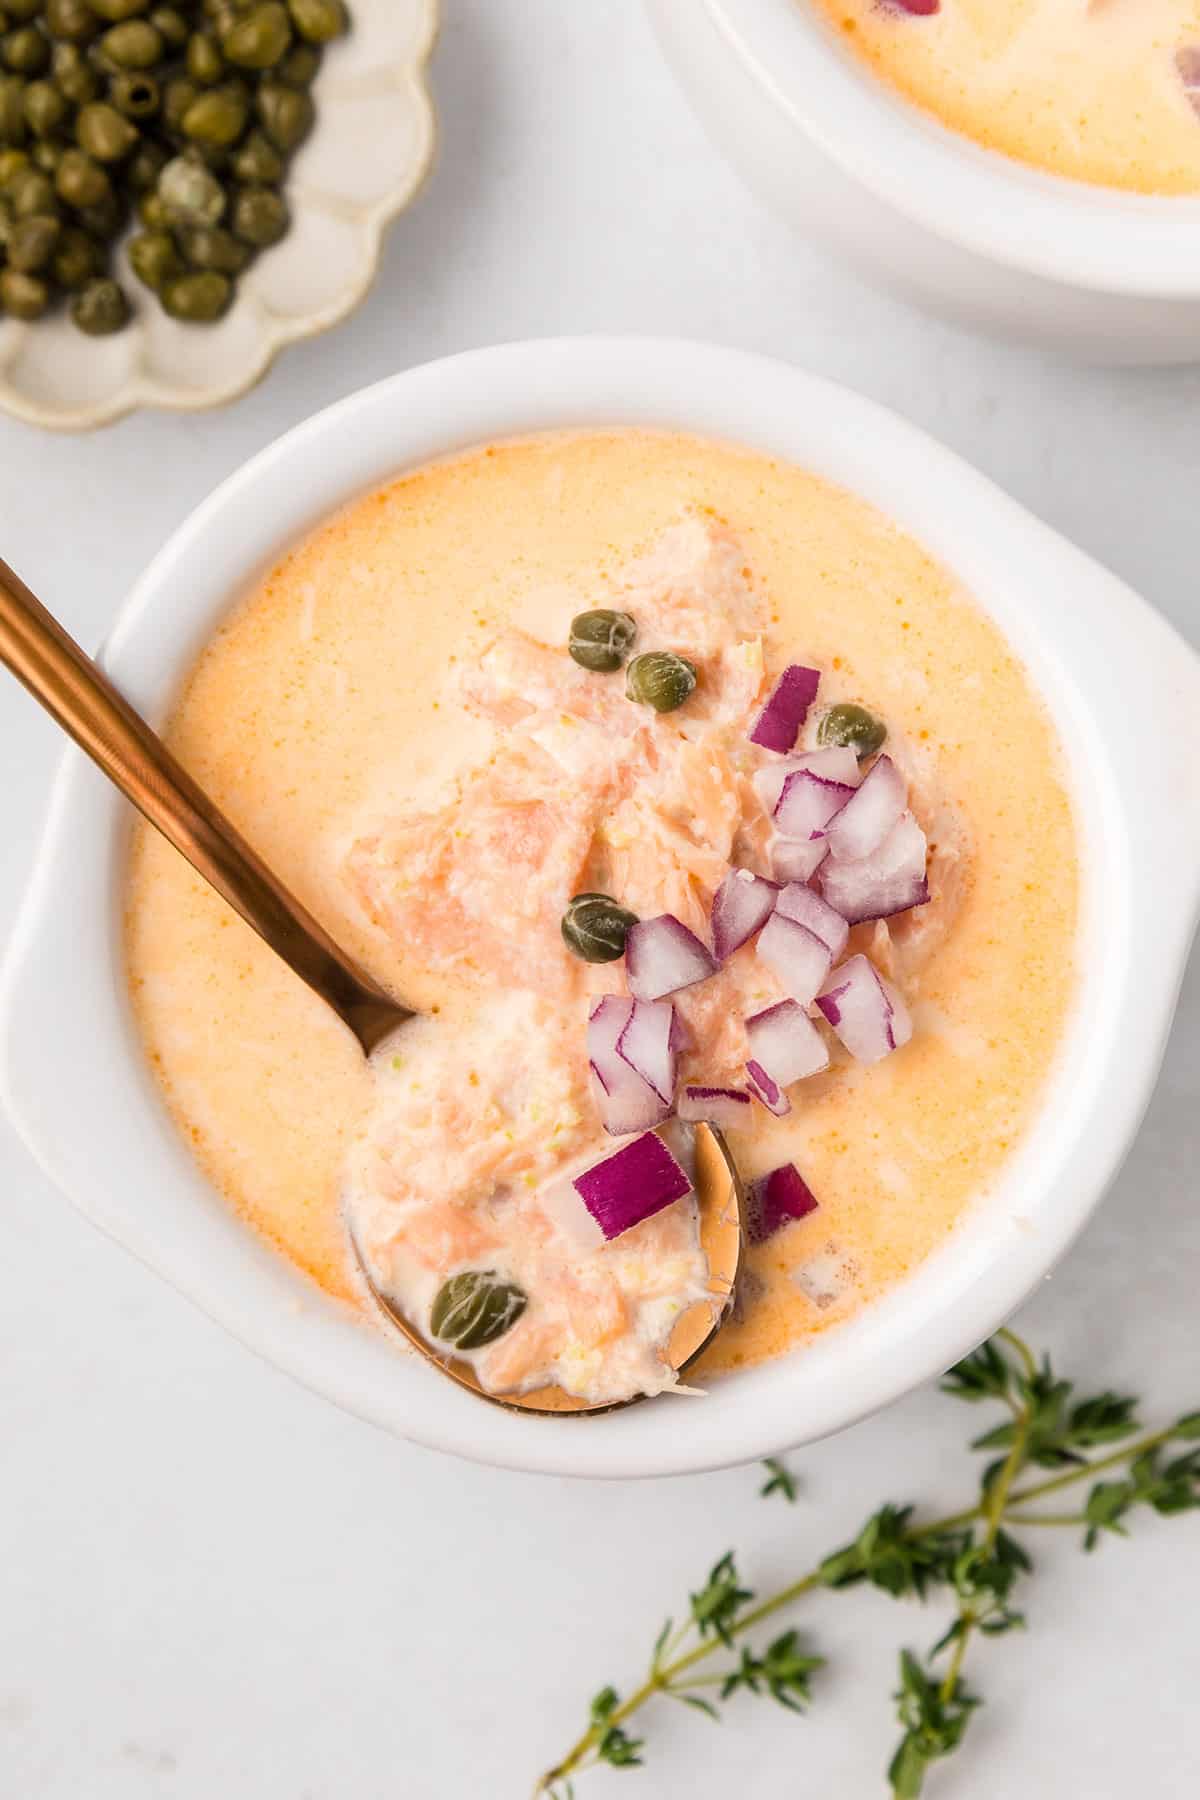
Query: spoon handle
x=79, y=696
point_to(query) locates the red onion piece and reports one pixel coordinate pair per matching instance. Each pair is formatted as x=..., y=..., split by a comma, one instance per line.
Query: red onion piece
x=624, y=1098
x=786, y=1044
x=792, y=860
x=891, y=880
x=919, y=9
x=1187, y=62
x=767, y=1090
x=816, y=915
x=837, y=763
x=775, y=1200
x=796, y=955
x=632, y=1184
x=870, y=814
x=730, y=1108
x=778, y=724
x=645, y=1044
x=865, y=1010
x=662, y=956
x=807, y=804
x=741, y=906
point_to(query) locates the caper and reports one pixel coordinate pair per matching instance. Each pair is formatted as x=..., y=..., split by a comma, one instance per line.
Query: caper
x=212, y=247
x=190, y=194
x=286, y=113
x=77, y=81
x=198, y=298
x=71, y=21
x=171, y=26
x=12, y=162
x=601, y=640
x=105, y=217
x=31, y=192
x=319, y=20
x=100, y=307
x=103, y=133
x=260, y=39
x=854, y=727
x=152, y=212
x=113, y=11
x=23, y=296
x=26, y=51
x=154, y=258
x=661, y=679
x=45, y=107
x=77, y=258
x=145, y=166
x=133, y=45
x=595, y=927
x=80, y=181
x=260, y=216
x=13, y=128
x=257, y=161
x=475, y=1308
x=137, y=96
x=205, y=63
x=47, y=153
x=216, y=118
x=31, y=242
x=301, y=66
x=178, y=95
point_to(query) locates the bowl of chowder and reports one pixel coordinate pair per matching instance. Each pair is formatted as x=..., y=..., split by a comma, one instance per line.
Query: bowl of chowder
x=683, y=738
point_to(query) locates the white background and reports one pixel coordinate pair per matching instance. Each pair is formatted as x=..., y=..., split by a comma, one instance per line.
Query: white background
x=212, y=1583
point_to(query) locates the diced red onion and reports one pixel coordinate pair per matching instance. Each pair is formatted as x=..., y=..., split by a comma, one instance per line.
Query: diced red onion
x=784, y=1041
x=792, y=860
x=865, y=1010
x=741, y=906
x=796, y=955
x=778, y=724
x=816, y=915
x=919, y=9
x=869, y=814
x=807, y=804
x=837, y=763
x=730, y=1108
x=662, y=956
x=768, y=1091
x=775, y=1200
x=1187, y=62
x=632, y=1184
x=645, y=1044
x=625, y=1099
x=889, y=881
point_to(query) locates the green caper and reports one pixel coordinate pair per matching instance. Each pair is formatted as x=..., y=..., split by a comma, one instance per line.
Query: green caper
x=114, y=11
x=100, y=307
x=133, y=45
x=13, y=128
x=212, y=247
x=47, y=153
x=595, y=927
x=260, y=39
x=31, y=242
x=661, y=679
x=854, y=727
x=257, y=161
x=80, y=181
x=260, y=216
x=45, y=107
x=178, y=95
x=205, y=64
x=198, y=298
x=23, y=296
x=71, y=21
x=601, y=640
x=301, y=66
x=104, y=133
x=77, y=81
x=190, y=193
x=475, y=1308
x=286, y=113
x=30, y=192
x=77, y=258
x=145, y=166
x=154, y=258
x=137, y=96
x=319, y=20
x=216, y=118
x=105, y=217
x=26, y=51
x=171, y=26
x=152, y=212
x=12, y=162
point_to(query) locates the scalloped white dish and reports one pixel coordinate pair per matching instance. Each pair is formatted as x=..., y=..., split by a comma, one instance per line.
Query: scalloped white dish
x=368, y=154
x=1125, y=690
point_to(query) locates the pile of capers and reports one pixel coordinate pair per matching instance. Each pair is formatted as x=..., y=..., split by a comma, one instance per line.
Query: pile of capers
x=178, y=118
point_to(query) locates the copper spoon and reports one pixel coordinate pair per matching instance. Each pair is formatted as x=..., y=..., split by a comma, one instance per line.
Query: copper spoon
x=79, y=696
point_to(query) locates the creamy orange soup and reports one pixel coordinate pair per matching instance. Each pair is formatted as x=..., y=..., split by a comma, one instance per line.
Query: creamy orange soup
x=1104, y=91
x=392, y=718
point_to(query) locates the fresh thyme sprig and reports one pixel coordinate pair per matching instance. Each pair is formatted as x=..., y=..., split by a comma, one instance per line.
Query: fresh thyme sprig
x=972, y=1556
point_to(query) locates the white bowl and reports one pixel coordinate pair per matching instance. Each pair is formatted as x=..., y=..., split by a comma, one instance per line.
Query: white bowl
x=368, y=153
x=1126, y=692
x=1105, y=275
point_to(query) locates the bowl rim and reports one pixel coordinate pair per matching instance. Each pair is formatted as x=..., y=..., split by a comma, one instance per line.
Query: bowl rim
x=1110, y=661
x=1052, y=226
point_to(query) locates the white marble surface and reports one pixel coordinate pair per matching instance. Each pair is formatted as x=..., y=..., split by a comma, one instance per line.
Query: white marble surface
x=212, y=1583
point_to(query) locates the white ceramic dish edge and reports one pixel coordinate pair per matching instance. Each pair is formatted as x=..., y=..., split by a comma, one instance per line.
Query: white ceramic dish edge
x=1126, y=690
